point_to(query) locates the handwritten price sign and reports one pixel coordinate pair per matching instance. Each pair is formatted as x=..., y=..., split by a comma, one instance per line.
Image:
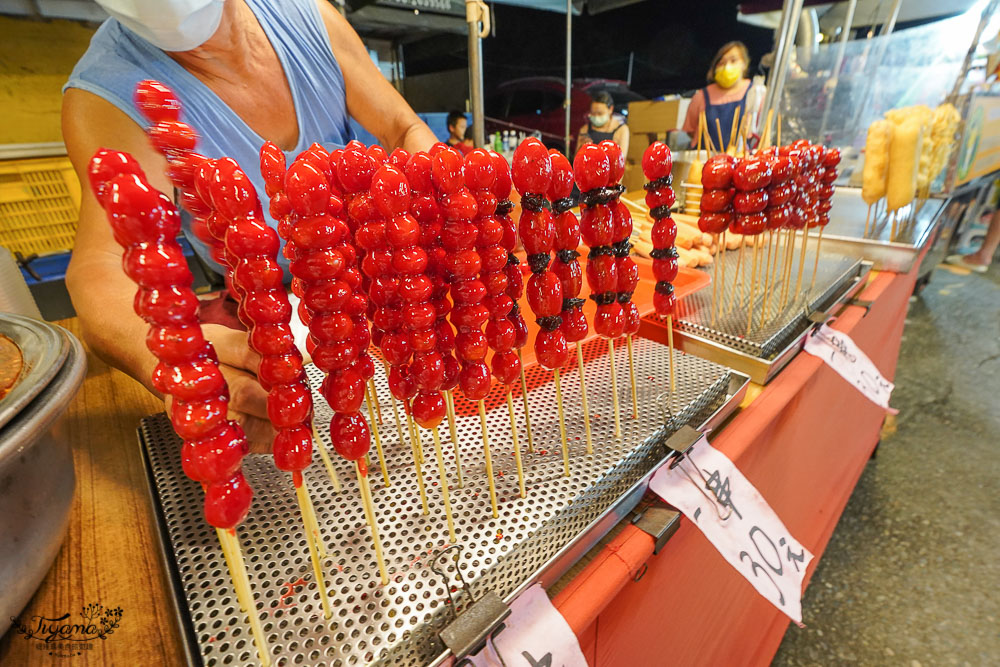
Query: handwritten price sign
x=714, y=494
x=844, y=356
x=534, y=635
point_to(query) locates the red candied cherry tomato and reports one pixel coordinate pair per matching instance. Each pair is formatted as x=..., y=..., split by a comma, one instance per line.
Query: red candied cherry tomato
x=377, y=153
x=752, y=173
x=561, y=185
x=323, y=231
x=506, y=367
x=778, y=217
x=537, y=230
x=616, y=160
x=196, y=419
x=334, y=356
x=515, y=281
x=175, y=344
x=227, y=503
x=289, y=405
x=780, y=194
x=307, y=189
x=574, y=325
x=400, y=383
x=106, y=165
x=396, y=347
x=826, y=191
x=474, y=379
x=136, y=211
x=531, y=170
x=660, y=197
x=350, y=435
x=665, y=269
x=520, y=329
x=272, y=168
x=402, y=231
x=716, y=200
x=717, y=173
x=258, y=273
x=621, y=222
x=824, y=205
x=602, y=274
x=493, y=259
x=479, y=170
x=427, y=370
x=459, y=205
x=609, y=320
x=545, y=294
x=570, y=277
x=781, y=169
x=472, y=316
x=272, y=338
x=267, y=307
x=326, y=295
x=448, y=171
x=444, y=336
x=463, y=265
x=597, y=225
x=293, y=448
x=664, y=233
x=344, y=390
x=417, y=316
x=172, y=136
x=452, y=368
x=193, y=380
x=250, y=236
x=550, y=348
x=500, y=334
x=628, y=274
x=364, y=366
x=414, y=289
x=631, y=313
x=460, y=235
x=752, y=224
x=428, y=409
x=319, y=265
x=502, y=183
x=168, y=305
x=831, y=158
x=664, y=302
x=390, y=191
x=418, y=171
x=714, y=223
x=279, y=369
x=567, y=227
x=355, y=171
x=156, y=101
x=216, y=456
x=656, y=161
x=754, y=201
x=592, y=168
x=468, y=292
x=410, y=261
x=496, y=284
x=331, y=326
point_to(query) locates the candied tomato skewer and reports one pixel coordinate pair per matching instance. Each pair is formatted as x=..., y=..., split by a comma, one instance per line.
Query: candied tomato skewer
x=145, y=223
x=716, y=214
x=532, y=176
x=656, y=165
x=824, y=194
x=751, y=176
x=567, y=267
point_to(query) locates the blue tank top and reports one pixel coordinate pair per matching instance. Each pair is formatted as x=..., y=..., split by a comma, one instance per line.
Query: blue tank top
x=118, y=59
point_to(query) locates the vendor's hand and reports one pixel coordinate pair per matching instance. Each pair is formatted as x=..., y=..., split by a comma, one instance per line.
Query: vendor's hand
x=247, y=399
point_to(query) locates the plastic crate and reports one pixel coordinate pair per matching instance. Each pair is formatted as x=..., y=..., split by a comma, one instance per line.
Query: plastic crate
x=39, y=205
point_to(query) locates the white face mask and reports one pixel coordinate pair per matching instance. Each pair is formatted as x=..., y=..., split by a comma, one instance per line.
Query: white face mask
x=172, y=25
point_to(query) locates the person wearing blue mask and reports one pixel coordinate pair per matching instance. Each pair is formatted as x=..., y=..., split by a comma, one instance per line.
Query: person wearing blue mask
x=723, y=98
x=247, y=71
x=603, y=124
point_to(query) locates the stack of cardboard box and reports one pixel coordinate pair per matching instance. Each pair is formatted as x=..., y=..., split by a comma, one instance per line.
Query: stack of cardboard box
x=649, y=122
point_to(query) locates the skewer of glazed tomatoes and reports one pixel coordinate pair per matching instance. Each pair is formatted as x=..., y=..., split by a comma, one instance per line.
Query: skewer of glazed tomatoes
x=824, y=194
x=532, y=176
x=656, y=165
x=717, y=215
x=145, y=223
x=593, y=173
x=567, y=267
x=751, y=176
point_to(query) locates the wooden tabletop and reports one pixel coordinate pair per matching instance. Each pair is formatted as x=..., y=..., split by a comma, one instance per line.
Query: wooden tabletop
x=109, y=555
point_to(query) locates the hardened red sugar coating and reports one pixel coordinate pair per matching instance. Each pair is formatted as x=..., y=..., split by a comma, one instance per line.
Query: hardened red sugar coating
x=145, y=223
x=621, y=223
x=567, y=240
x=502, y=186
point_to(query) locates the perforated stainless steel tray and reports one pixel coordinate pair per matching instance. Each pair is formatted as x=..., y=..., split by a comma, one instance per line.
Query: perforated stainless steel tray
x=845, y=233
x=534, y=539
x=775, y=338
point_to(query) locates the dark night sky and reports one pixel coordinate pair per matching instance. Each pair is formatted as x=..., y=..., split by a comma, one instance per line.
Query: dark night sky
x=673, y=41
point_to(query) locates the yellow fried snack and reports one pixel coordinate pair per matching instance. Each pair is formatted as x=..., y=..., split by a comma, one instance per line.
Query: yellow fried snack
x=904, y=161
x=876, y=161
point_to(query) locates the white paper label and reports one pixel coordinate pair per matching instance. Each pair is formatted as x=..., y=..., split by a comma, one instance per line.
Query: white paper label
x=844, y=356
x=534, y=635
x=714, y=494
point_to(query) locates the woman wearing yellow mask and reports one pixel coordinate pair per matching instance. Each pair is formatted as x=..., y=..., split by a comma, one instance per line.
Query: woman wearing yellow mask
x=725, y=94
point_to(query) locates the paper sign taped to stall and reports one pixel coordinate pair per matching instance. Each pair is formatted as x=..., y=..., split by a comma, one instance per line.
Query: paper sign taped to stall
x=712, y=492
x=535, y=634
x=844, y=356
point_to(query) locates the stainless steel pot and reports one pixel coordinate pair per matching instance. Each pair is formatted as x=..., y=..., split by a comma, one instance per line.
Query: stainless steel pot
x=36, y=462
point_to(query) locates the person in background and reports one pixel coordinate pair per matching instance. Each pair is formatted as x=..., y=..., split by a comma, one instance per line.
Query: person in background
x=468, y=140
x=604, y=124
x=247, y=71
x=458, y=124
x=980, y=260
x=723, y=97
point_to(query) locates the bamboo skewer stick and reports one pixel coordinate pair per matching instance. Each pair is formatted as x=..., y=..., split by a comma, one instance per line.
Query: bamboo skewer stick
x=230, y=543
x=738, y=281
x=524, y=397
x=819, y=243
x=718, y=128
x=444, y=485
x=312, y=539
x=753, y=287
x=867, y=220
x=583, y=400
x=449, y=402
x=489, y=459
x=631, y=373
x=614, y=389
x=395, y=413
x=325, y=456
x=314, y=523
x=417, y=461
x=722, y=261
x=562, y=422
x=802, y=261
x=670, y=348
x=767, y=275
x=517, y=445
x=892, y=234
x=787, y=268
x=378, y=438
x=366, y=497
x=715, y=277
x=378, y=404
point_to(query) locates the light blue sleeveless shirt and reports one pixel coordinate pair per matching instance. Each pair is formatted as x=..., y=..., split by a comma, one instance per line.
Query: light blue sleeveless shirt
x=118, y=59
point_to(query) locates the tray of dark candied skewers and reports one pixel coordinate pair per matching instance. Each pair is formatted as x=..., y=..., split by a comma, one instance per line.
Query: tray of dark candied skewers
x=416, y=303
x=763, y=299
